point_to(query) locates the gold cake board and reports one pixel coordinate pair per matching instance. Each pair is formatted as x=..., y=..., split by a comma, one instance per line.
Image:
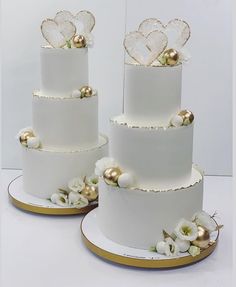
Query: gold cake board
x=96, y=242
x=30, y=203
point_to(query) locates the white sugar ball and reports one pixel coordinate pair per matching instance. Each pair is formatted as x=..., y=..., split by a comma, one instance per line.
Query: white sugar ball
x=33, y=142
x=183, y=244
x=161, y=247
x=177, y=121
x=125, y=180
x=76, y=94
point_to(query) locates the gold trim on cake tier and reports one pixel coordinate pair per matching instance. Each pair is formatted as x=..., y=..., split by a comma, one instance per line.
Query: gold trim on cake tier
x=119, y=121
x=153, y=65
x=97, y=147
x=37, y=94
x=164, y=190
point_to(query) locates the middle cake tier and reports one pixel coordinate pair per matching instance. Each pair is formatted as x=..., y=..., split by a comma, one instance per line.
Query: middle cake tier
x=158, y=158
x=65, y=123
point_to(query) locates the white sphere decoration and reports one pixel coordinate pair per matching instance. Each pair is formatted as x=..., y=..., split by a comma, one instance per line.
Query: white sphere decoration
x=33, y=142
x=76, y=94
x=177, y=121
x=125, y=180
x=161, y=247
x=183, y=244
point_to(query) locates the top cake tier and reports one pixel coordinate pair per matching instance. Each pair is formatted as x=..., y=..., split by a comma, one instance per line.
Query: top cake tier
x=63, y=71
x=152, y=94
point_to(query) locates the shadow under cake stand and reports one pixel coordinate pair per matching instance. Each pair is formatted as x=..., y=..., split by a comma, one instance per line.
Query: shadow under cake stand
x=28, y=202
x=96, y=242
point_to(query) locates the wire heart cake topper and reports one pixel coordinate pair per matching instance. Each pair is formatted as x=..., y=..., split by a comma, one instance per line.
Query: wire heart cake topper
x=69, y=31
x=157, y=44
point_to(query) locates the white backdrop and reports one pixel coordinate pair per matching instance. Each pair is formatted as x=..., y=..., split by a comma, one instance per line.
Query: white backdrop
x=206, y=78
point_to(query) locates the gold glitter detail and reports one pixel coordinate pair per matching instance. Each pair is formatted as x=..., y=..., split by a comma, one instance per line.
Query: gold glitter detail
x=37, y=94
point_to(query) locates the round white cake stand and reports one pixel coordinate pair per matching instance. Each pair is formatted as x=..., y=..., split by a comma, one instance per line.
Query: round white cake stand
x=96, y=242
x=28, y=202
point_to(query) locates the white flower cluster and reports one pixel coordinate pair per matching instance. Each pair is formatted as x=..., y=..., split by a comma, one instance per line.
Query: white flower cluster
x=72, y=197
x=125, y=180
x=185, y=234
x=30, y=141
x=77, y=93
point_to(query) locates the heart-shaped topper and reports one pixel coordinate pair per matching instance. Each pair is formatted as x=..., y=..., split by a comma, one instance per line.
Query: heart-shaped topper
x=145, y=49
x=57, y=34
x=177, y=31
x=84, y=21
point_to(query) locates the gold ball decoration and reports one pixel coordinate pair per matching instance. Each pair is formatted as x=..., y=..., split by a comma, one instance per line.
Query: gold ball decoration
x=25, y=136
x=187, y=117
x=79, y=41
x=111, y=175
x=203, y=238
x=171, y=57
x=90, y=192
x=86, y=92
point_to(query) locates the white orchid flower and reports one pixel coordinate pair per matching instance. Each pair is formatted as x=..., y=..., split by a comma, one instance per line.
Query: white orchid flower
x=92, y=180
x=76, y=184
x=205, y=220
x=59, y=199
x=186, y=230
x=171, y=248
x=81, y=202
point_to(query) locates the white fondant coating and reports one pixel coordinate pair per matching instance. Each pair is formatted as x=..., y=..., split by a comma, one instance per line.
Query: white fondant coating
x=152, y=94
x=158, y=158
x=63, y=70
x=136, y=218
x=44, y=171
x=66, y=124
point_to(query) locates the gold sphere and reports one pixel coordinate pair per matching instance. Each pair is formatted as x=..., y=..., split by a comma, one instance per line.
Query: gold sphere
x=86, y=92
x=187, y=117
x=90, y=192
x=25, y=136
x=203, y=237
x=79, y=41
x=170, y=57
x=111, y=175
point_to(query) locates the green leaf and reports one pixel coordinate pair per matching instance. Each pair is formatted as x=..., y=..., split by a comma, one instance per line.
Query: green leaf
x=68, y=44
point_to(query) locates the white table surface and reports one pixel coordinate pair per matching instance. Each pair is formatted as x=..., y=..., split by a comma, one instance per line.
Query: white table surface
x=43, y=251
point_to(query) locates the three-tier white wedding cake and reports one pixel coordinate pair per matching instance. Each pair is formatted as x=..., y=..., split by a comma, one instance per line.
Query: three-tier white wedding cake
x=61, y=148
x=149, y=188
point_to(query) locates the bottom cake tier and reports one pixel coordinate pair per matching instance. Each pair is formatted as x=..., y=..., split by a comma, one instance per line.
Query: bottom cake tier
x=137, y=218
x=45, y=171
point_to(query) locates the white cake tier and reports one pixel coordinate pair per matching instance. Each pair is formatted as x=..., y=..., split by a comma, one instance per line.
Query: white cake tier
x=152, y=94
x=66, y=124
x=44, y=171
x=136, y=218
x=63, y=70
x=158, y=158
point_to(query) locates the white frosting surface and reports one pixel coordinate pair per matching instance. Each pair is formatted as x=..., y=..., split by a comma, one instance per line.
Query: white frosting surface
x=157, y=158
x=44, y=171
x=136, y=218
x=63, y=70
x=66, y=124
x=152, y=94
